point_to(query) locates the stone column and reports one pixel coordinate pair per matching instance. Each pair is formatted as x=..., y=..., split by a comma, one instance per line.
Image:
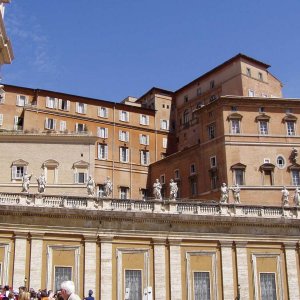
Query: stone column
x=90, y=264
x=227, y=270
x=35, y=280
x=159, y=268
x=292, y=270
x=106, y=268
x=19, y=259
x=242, y=269
x=175, y=269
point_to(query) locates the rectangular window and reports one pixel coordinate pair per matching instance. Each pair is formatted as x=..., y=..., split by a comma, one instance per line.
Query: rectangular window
x=64, y=104
x=248, y=72
x=239, y=176
x=133, y=284
x=79, y=128
x=261, y=109
x=1, y=119
x=62, y=274
x=290, y=125
x=103, y=112
x=176, y=174
x=212, y=84
x=102, y=151
x=81, y=177
x=213, y=179
x=199, y=91
x=267, y=177
x=22, y=100
x=263, y=127
x=165, y=143
x=233, y=108
x=162, y=179
x=268, y=286
x=123, y=136
x=124, y=195
x=101, y=191
x=186, y=98
x=51, y=102
x=50, y=124
x=260, y=76
x=201, y=286
x=164, y=124
x=18, y=172
x=144, y=120
x=211, y=129
x=213, y=161
x=251, y=93
x=62, y=126
x=124, y=154
x=124, y=116
x=295, y=177
x=145, y=157
x=193, y=186
x=2, y=96
x=81, y=108
x=144, y=139
x=192, y=169
x=235, y=126
x=102, y=132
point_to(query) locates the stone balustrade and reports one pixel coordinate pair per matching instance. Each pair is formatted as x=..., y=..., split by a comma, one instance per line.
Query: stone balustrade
x=150, y=206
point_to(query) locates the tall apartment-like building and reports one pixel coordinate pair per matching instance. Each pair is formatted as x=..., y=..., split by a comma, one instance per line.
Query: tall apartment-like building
x=231, y=125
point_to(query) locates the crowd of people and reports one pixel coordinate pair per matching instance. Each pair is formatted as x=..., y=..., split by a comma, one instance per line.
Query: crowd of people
x=67, y=292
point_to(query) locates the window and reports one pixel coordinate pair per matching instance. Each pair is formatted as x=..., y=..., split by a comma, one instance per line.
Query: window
x=81, y=108
x=260, y=76
x=64, y=104
x=18, y=169
x=144, y=139
x=123, y=136
x=22, y=100
x=201, y=286
x=124, y=116
x=193, y=186
x=144, y=120
x=176, y=174
x=101, y=191
x=192, y=169
x=213, y=161
x=163, y=106
x=280, y=161
x=50, y=124
x=248, y=72
x=251, y=93
x=124, y=192
x=50, y=167
x=211, y=129
x=124, y=154
x=295, y=177
x=162, y=179
x=62, y=126
x=233, y=108
x=18, y=123
x=235, y=126
x=103, y=112
x=80, y=128
x=267, y=286
x=133, y=284
x=165, y=143
x=62, y=274
x=263, y=127
x=288, y=111
x=199, y=91
x=145, y=157
x=238, y=173
x=2, y=96
x=51, y=102
x=290, y=126
x=212, y=84
x=186, y=117
x=144, y=194
x=102, y=151
x=102, y=132
x=1, y=119
x=267, y=170
x=213, y=178
x=267, y=160
x=261, y=109
x=164, y=124
x=186, y=98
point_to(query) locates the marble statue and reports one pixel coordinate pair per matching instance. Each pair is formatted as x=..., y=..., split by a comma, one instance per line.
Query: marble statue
x=173, y=189
x=41, y=181
x=236, y=194
x=157, y=190
x=297, y=197
x=90, y=186
x=108, y=187
x=285, y=196
x=26, y=182
x=224, y=193
x=294, y=155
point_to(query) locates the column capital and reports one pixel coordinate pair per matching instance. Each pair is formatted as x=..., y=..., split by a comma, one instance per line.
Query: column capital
x=90, y=239
x=159, y=241
x=20, y=235
x=226, y=243
x=36, y=236
x=290, y=245
x=106, y=239
x=174, y=241
x=241, y=244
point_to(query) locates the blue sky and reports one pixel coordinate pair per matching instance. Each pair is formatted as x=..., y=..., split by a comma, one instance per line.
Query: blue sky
x=111, y=49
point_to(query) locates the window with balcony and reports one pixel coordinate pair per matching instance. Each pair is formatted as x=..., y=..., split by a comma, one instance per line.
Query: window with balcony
x=102, y=151
x=124, y=116
x=103, y=112
x=124, y=154
x=102, y=132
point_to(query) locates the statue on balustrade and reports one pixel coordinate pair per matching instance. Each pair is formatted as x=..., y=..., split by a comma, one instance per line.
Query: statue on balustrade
x=285, y=196
x=297, y=197
x=236, y=193
x=26, y=182
x=173, y=190
x=41, y=181
x=157, y=190
x=90, y=186
x=108, y=187
x=224, y=193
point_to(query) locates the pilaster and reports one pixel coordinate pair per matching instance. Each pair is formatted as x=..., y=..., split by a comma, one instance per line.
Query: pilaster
x=242, y=269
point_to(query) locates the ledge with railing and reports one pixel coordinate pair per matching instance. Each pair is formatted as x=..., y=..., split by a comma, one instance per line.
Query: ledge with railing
x=201, y=208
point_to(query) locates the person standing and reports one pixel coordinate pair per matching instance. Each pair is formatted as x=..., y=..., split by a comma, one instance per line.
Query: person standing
x=68, y=290
x=90, y=297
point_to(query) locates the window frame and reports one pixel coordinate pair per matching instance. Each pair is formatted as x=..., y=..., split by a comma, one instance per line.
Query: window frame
x=211, y=131
x=102, y=151
x=103, y=112
x=124, y=153
x=124, y=116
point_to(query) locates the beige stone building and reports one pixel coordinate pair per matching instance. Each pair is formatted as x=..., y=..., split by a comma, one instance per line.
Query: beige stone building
x=230, y=125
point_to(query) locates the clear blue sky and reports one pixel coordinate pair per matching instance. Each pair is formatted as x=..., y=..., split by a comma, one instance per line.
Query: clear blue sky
x=111, y=49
